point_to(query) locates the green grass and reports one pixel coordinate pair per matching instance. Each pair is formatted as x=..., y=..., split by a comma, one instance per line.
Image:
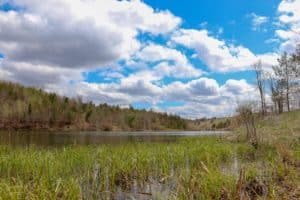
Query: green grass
x=200, y=168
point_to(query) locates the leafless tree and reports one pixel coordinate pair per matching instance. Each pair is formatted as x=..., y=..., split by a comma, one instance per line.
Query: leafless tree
x=296, y=59
x=284, y=72
x=247, y=117
x=277, y=93
x=296, y=68
x=260, y=79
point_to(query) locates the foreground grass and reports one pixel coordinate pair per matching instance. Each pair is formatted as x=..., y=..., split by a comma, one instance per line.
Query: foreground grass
x=197, y=168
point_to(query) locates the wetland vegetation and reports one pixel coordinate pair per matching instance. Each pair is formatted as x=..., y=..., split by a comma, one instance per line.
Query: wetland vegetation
x=207, y=167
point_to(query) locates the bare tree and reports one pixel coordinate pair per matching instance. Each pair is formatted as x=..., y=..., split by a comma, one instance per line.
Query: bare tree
x=284, y=72
x=296, y=68
x=277, y=93
x=260, y=79
x=296, y=60
x=247, y=117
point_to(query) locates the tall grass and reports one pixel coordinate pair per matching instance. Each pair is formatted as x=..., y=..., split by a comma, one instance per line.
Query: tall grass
x=196, y=168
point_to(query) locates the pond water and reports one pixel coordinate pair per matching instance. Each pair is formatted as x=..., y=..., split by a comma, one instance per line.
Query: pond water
x=94, y=138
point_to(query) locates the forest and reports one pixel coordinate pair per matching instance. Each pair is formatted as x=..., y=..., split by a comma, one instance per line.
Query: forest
x=29, y=108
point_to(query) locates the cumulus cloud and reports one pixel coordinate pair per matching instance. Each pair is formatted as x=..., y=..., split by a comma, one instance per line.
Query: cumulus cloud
x=100, y=93
x=43, y=76
x=219, y=100
x=190, y=91
x=78, y=34
x=236, y=87
x=194, y=110
x=133, y=88
x=217, y=54
x=289, y=17
x=51, y=43
x=200, y=97
x=290, y=11
x=171, y=62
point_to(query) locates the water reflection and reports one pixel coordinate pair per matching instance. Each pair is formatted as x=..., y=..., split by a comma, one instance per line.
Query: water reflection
x=93, y=138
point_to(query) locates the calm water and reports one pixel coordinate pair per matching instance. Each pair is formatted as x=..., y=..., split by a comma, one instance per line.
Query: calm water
x=94, y=138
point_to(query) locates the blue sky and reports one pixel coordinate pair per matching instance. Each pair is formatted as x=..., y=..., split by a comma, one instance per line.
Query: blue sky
x=191, y=58
x=231, y=16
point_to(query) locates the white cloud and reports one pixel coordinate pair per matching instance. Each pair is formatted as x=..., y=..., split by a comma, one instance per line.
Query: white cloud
x=51, y=43
x=170, y=62
x=290, y=17
x=222, y=100
x=272, y=41
x=290, y=11
x=195, y=110
x=268, y=60
x=218, y=55
x=258, y=21
x=203, y=87
x=78, y=34
x=201, y=97
x=99, y=93
x=237, y=87
x=190, y=91
x=43, y=76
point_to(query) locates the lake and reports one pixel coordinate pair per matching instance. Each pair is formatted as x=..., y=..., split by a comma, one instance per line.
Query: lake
x=43, y=138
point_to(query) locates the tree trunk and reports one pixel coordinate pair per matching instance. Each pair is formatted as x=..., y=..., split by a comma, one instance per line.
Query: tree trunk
x=287, y=87
x=262, y=100
x=280, y=107
x=287, y=97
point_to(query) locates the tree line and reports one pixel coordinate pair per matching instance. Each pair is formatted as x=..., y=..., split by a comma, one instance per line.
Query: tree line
x=31, y=108
x=283, y=81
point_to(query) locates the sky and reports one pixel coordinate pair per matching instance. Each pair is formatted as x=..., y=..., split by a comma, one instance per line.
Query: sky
x=190, y=58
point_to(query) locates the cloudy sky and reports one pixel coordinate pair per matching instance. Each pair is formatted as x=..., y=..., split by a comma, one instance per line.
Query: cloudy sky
x=192, y=58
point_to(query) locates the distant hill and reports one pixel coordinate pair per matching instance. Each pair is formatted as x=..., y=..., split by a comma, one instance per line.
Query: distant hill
x=32, y=109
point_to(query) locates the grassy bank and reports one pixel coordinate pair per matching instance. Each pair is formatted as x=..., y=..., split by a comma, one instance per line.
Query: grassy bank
x=202, y=168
